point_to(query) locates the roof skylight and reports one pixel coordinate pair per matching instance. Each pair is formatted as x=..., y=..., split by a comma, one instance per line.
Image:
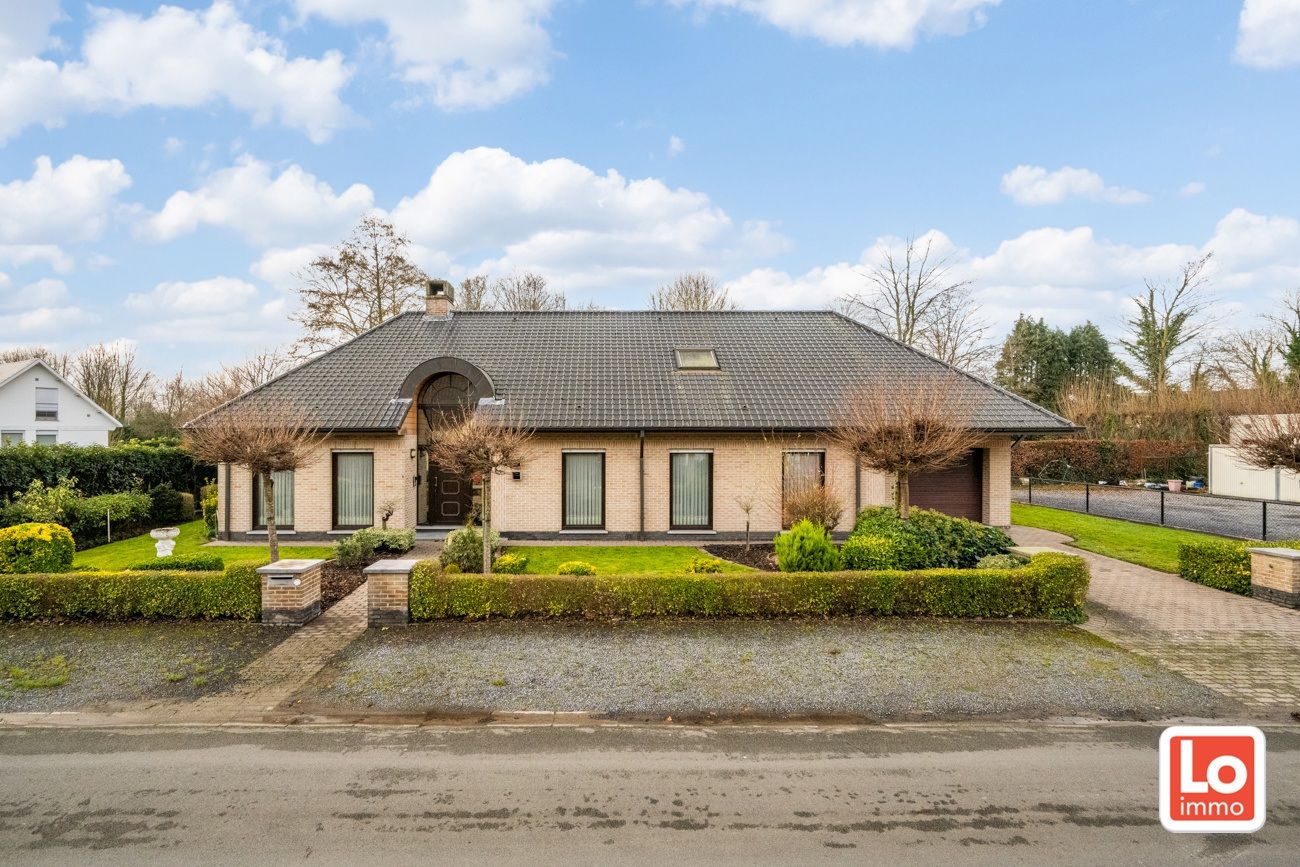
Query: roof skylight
x=696, y=359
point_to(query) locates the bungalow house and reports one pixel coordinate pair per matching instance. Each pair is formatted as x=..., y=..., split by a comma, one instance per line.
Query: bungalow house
x=40, y=407
x=648, y=424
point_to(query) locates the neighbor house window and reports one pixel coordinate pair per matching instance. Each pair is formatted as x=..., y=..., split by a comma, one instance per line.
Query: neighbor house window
x=583, y=493
x=283, y=484
x=47, y=404
x=47, y=437
x=799, y=471
x=11, y=438
x=354, y=490
x=696, y=359
x=691, y=483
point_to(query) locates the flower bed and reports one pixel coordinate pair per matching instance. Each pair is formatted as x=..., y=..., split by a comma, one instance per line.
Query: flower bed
x=1049, y=586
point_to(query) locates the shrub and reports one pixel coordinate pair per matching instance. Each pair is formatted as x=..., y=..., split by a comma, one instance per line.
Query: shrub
x=393, y=541
x=233, y=593
x=704, y=566
x=1049, y=586
x=187, y=507
x=806, y=547
x=45, y=504
x=510, y=564
x=1223, y=564
x=35, y=548
x=869, y=552
x=464, y=547
x=181, y=563
x=101, y=469
x=575, y=567
x=930, y=539
x=1094, y=460
x=167, y=507
x=999, y=561
x=89, y=518
x=209, y=503
x=450, y=569
x=815, y=503
x=355, y=550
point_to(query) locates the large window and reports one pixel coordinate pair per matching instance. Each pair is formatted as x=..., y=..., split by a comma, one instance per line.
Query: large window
x=800, y=471
x=584, y=490
x=354, y=490
x=283, y=483
x=47, y=404
x=11, y=438
x=47, y=437
x=691, y=481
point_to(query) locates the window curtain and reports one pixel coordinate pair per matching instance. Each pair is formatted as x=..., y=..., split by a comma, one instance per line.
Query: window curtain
x=354, y=489
x=584, y=490
x=692, y=493
x=802, y=470
x=283, y=499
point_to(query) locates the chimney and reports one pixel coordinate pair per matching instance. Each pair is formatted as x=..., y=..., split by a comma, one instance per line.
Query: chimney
x=438, y=298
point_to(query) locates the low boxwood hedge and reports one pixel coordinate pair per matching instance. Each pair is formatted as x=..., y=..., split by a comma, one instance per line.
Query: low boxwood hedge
x=234, y=593
x=1049, y=586
x=181, y=563
x=1223, y=564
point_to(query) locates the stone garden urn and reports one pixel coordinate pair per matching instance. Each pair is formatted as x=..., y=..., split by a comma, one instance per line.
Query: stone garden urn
x=165, y=540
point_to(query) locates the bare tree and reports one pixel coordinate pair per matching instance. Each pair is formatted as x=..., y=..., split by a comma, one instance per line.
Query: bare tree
x=109, y=375
x=232, y=380
x=264, y=437
x=1246, y=359
x=1167, y=327
x=526, y=291
x=696, y=291
x=1272, y=439
x=473, y=293
x=916, y=299
x=903, y=429
x=59, y=362
x=359, y=284
x=1287, y=324
x=480, y=444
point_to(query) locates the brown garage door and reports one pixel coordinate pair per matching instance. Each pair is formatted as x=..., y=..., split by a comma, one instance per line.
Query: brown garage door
x=958, y=490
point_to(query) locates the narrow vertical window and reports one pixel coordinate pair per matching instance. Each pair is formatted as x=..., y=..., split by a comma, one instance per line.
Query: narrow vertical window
x=354, y=490
x=283, y=500
x=692, y=490
x=800, y=471
x=583, y=492
x=47, y=404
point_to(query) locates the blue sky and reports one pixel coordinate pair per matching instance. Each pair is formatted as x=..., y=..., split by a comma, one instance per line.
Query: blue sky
x=165, y=170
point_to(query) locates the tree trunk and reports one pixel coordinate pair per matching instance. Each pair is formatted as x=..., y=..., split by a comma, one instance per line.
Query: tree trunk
x=268, y=502
x=486, y=511
x=746, y=531
x=903, y=496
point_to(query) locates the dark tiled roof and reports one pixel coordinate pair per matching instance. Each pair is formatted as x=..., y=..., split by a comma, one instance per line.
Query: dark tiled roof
x=615, y=370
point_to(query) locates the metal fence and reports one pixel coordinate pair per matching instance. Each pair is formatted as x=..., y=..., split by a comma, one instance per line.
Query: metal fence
x=1224, y=516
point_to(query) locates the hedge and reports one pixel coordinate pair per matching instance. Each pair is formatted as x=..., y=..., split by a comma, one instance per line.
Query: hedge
x=181, y=563
x=1111, y=460
x=101, y=469
x=1221, y=564
x=234, y=593
x=1049, y=586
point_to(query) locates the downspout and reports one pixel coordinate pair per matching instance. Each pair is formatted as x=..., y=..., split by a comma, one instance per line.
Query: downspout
x=227, y=504
x=641, y=482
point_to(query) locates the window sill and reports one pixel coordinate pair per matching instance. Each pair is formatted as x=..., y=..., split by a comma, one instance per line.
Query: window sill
x=278, y=532
x=585, y=532
x=692, y=532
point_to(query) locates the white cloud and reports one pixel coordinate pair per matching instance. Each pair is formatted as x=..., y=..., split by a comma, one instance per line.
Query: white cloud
x=172, y=146
x=469, y=53
x=1268, y=33
x=68, y=202
x=176, y=58
x=219, y=310
x=279, y=266
x=875, y=23
x=201, y=296
x=25, y=29
x=265, y=208
x=26, y=254
x=1192, y=188
x=1035, y=185
x=676, y=146
x=582, y=229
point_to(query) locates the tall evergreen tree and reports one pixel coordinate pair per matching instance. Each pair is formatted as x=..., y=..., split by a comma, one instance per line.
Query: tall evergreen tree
x=1034, y=362
x=1090, y=356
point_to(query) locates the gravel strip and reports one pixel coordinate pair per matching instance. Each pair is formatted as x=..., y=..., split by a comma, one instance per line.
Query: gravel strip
x=108, y=664
x=874, y=669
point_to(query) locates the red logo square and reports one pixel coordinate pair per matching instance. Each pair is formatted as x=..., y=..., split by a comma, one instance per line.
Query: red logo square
x=1212, y=779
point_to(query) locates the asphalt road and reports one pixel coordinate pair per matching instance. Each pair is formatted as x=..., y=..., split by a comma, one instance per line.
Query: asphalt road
x=956, y=794
x=1224, y=516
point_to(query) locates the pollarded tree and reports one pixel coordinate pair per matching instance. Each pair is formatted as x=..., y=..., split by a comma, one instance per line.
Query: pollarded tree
x=264, y=437
x=697, y=291
x=904, y=429
x=484, y=444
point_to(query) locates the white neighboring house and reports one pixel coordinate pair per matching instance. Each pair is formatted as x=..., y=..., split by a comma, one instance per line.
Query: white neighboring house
x=1233, y=477
x=39, y=406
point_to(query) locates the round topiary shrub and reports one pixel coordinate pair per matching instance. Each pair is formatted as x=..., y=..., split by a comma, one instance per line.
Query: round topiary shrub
x=575, y=567
x=464, y=548
x=36, y=548
x=869, y=552
x=510, y=564
x=704, y=566
x=806, y=547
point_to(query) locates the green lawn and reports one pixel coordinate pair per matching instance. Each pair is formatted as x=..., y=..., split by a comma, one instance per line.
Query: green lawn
x=128, y=552
x=1154, y=547
x=616, y=559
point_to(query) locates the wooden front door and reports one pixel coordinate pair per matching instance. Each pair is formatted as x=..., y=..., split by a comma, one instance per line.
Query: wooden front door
x=450, y=496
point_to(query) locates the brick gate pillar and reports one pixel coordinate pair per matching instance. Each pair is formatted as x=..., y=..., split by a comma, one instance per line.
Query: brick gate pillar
x=1275, y=575
x=290, y=591
x=388, y=590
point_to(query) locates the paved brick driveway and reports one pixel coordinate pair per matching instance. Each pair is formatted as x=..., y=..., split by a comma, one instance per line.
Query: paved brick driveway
x=1240, y=647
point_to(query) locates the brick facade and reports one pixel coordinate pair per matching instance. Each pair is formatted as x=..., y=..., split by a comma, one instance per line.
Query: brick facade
x=291, y=591
x=746, y=467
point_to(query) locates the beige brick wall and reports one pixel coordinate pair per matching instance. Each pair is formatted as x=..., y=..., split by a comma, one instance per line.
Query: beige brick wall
x=997, y=482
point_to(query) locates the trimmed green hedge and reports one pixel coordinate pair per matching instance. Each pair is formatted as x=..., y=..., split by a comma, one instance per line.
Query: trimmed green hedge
x=1049, y=586
x=181, y=563
x=101, y=469
x=234, y=594
x=1222, y=564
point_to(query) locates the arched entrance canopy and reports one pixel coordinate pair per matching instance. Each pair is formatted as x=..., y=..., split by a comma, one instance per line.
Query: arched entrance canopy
x=481, y=382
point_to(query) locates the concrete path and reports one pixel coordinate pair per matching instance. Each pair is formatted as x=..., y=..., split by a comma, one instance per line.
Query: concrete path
x=1238, y=646
x=961, y=794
